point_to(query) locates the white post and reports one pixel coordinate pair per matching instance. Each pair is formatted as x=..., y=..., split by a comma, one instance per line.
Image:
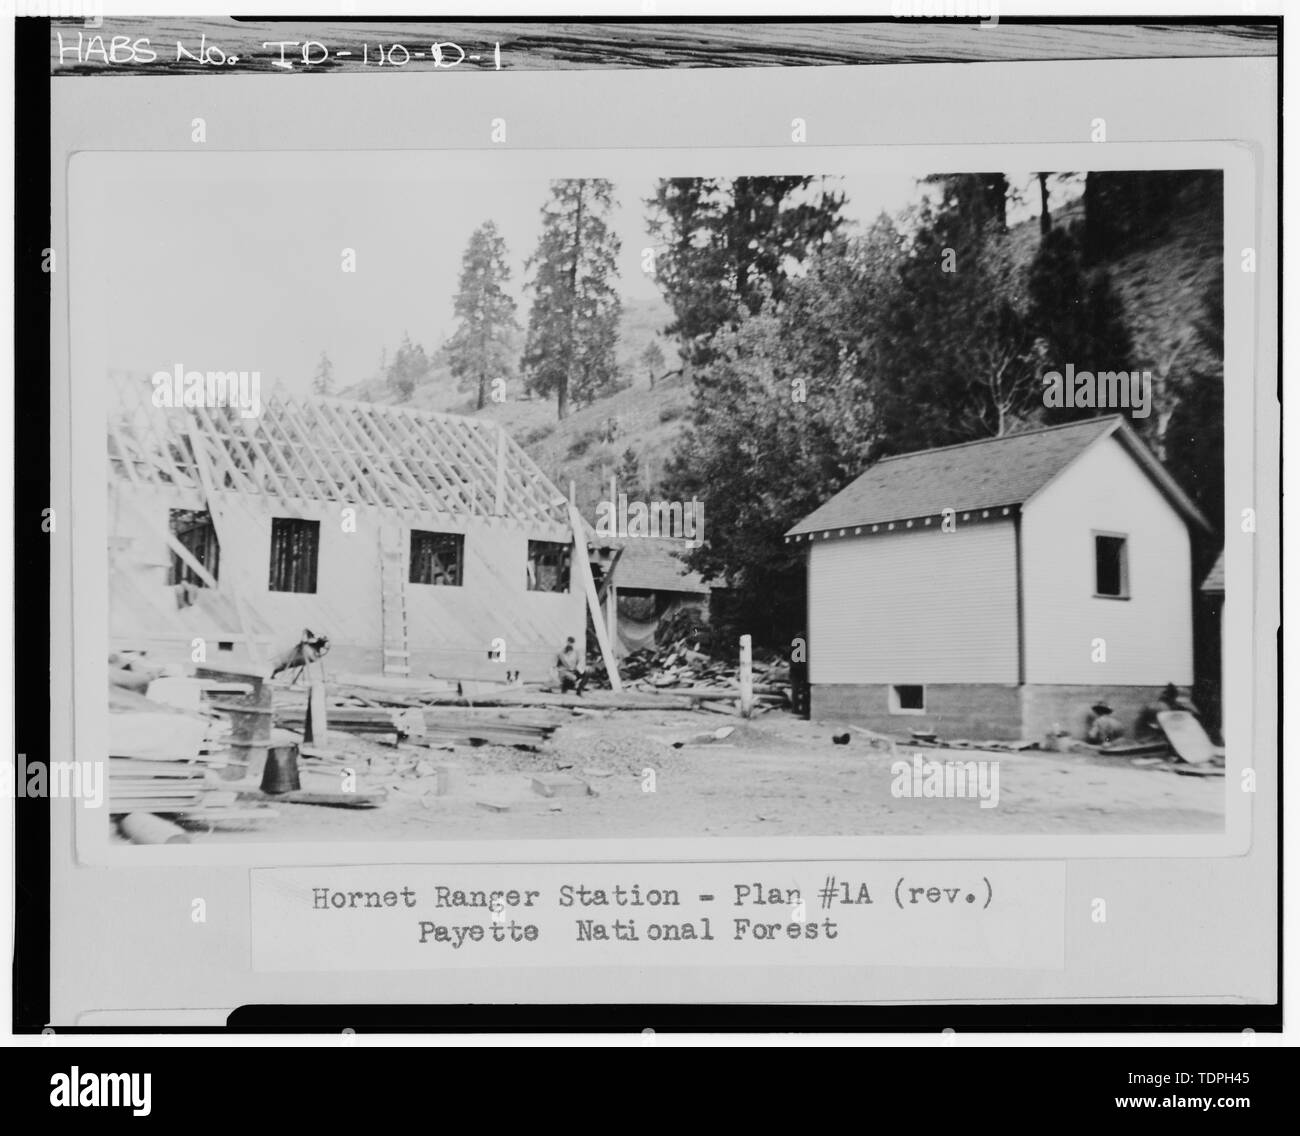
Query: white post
x=316, y=727
x=746, y=676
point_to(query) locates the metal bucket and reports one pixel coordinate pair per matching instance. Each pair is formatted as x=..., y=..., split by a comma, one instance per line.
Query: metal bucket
x=281, y=772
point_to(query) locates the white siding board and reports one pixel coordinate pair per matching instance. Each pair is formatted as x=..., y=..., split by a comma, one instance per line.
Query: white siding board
x=914, y=607
x=1148, y=636
x=494, y=600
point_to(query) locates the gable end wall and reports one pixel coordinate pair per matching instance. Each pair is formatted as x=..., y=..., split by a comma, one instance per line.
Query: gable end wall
x=1148, y=637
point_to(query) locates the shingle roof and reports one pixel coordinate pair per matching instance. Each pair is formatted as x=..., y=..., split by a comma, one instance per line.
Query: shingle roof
x=653, y=564
x=994, y=472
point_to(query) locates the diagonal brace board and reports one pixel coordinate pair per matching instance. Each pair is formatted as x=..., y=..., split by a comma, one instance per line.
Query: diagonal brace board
x=582, y=566
x=220, y=522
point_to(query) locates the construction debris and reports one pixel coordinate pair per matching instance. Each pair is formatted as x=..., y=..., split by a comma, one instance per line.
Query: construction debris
x=710, y=737
x=560, y=785
x=682, y=671
x=249, y=741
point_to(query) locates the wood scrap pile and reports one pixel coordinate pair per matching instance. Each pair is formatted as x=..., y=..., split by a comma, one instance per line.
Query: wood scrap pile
x=678, y=669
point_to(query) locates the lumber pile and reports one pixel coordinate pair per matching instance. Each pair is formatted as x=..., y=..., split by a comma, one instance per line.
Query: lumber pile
x=159, y=763
x=459, y=727
x=344, y=715
x=403, y=717
x=165, y=761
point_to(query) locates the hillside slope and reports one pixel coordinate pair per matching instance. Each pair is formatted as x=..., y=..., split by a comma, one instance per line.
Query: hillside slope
x=1160, y=275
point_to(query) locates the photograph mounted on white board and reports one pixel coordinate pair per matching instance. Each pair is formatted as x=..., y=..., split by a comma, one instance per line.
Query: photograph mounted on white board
x=835, y=504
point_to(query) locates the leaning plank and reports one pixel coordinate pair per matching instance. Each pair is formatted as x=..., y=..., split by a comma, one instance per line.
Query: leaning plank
x=1188, y=739
x=583, y=567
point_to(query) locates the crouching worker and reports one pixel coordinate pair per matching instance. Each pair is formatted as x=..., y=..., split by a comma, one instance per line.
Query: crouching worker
x=1171, y=698
x=1103, y=726
x=569, y=671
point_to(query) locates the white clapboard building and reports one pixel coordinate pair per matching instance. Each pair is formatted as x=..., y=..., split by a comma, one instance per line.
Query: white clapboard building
x=999, y=588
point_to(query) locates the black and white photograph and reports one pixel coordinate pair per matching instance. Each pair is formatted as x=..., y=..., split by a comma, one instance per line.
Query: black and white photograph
x=647, y=524
x=676, y=507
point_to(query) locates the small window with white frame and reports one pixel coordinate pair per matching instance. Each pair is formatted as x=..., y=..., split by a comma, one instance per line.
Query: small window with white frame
x=1110, y=554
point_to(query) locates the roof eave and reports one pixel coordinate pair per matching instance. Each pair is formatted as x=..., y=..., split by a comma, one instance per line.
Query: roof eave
x=1164, y=481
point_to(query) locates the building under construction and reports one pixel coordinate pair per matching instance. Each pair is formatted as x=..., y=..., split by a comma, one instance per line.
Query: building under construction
x=419, y=542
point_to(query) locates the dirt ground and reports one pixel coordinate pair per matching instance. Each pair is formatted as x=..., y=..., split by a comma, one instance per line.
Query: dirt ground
x=774, y=776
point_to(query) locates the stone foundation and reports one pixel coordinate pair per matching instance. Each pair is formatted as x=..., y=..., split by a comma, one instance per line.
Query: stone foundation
x=976, y=711
x=981, y=711
x=1044, y=707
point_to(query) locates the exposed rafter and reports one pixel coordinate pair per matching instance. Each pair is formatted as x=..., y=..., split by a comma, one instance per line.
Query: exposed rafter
x=330, y=449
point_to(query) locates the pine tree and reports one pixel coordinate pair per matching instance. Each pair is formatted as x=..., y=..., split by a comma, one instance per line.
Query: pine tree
x=573, y=325
x=729, y=245
x=1076, y=314
x=959, y=359
x=322, y=382
x=629, y=476
x=479, y=351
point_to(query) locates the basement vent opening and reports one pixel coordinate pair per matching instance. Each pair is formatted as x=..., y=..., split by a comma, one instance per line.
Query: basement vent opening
x=907, y=700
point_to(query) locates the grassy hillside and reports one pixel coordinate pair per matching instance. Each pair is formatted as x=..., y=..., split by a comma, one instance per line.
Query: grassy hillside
x=1160, y=276
x=592, y=442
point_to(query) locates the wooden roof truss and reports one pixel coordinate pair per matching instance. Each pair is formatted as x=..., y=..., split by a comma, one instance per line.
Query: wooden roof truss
x=392, y=458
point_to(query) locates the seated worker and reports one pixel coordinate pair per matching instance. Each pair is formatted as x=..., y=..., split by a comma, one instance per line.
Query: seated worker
x=570, y=672
x=1103, y=726
x=1171, y=698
